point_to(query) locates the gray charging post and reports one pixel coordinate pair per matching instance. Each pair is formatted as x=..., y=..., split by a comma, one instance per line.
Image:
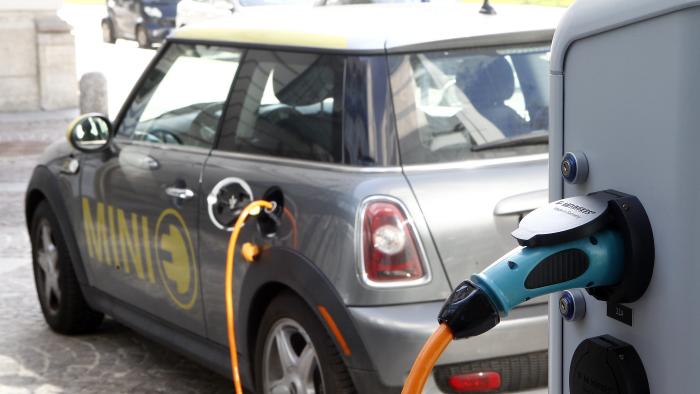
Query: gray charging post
x=625, y=85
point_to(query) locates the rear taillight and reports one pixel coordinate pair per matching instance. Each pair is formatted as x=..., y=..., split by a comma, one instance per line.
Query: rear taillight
x=476, y=382
x=390, y=250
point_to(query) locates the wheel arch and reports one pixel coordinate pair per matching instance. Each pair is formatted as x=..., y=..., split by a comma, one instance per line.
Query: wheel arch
x=265, y=280
x=44, y=186
x=32, y=200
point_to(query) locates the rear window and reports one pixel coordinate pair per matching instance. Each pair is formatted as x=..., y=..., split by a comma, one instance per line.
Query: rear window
x=459, y=105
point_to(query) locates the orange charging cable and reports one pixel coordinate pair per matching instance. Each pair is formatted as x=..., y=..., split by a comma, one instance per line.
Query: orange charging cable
x=251, y=209
x=426, y=360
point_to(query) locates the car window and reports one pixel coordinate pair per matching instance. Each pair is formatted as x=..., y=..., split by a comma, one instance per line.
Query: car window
x=181, y=99
x=287, y=104
x=464, y=104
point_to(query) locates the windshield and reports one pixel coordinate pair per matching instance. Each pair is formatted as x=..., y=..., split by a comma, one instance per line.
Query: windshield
x=461, y=104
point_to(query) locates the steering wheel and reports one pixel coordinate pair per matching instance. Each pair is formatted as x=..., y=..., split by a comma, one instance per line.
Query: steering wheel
x=280, y=114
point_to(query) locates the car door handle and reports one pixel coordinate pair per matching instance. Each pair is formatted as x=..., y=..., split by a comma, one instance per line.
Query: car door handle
x=521, y=204
x=138, y=159
x=180, y=193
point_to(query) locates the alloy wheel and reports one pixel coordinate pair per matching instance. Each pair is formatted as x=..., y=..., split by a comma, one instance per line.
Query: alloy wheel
x=290, y=362
x=47, y=261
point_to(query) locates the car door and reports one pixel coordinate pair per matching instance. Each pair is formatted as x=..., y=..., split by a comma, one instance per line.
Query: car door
x=140, y=201
x=284, y=105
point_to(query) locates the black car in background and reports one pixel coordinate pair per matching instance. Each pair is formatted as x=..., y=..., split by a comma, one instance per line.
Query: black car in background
x=146, y=21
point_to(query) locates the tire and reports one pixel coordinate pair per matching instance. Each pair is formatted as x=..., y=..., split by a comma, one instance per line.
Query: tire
x=142, y=37
x=62, y=302
x=288, y=317
x=108, y=34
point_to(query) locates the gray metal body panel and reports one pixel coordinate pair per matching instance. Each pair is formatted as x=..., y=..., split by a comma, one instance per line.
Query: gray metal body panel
x=626, y=73
x=401, y=330
x=473, y=207
x=132, y=182
x=324, y=203
x=364, y=27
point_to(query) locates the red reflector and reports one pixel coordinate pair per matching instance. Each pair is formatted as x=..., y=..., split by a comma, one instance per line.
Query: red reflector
x=477, y=382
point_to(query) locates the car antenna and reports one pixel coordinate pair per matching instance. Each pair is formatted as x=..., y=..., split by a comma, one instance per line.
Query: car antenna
x=487, y=9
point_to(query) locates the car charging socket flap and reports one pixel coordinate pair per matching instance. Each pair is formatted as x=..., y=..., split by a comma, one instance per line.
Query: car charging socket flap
x=269, y=221
x=607, y=365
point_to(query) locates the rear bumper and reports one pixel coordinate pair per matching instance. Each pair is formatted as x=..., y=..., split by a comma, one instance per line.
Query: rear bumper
x=393, y=336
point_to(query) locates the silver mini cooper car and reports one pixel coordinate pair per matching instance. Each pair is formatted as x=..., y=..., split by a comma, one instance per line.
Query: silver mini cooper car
x=404, y=142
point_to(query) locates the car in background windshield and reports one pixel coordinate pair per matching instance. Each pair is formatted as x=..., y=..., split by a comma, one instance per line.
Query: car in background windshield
x=253, y=3
x=146, y=21
x=198, y=11
x=467, y=102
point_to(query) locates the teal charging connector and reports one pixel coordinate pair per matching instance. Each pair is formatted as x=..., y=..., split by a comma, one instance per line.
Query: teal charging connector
x=529, y=272
x=602, y=242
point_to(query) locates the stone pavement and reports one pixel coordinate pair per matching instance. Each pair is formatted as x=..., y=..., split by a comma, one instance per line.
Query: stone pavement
x=32, y=358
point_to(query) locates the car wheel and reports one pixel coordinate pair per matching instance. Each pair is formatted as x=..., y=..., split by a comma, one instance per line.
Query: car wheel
x=108, y=35
x=60, y=297
x=142, y=37
x=294, y=354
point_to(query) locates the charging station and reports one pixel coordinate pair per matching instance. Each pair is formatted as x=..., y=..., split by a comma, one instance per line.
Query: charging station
x=624, y=115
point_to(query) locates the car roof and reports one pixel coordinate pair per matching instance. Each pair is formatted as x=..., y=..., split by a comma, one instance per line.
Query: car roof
x=380, y=27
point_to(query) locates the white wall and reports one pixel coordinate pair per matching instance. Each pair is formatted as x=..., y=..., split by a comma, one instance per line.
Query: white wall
x=30, y=5
x=37, y=57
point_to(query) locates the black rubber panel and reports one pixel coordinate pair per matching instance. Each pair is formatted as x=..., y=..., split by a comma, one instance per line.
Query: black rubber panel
x=630, y=219
x=607, y=365
x=560, y=267
x=520, y=372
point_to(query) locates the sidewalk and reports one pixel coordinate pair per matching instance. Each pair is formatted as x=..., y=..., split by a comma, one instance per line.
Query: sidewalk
x=23, y=137
x=45, y=126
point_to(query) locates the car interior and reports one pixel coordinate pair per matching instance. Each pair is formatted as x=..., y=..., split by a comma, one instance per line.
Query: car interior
x=292, y=106
x=464, y=101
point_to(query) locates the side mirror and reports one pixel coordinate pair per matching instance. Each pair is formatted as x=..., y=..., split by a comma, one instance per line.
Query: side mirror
x=90, y=132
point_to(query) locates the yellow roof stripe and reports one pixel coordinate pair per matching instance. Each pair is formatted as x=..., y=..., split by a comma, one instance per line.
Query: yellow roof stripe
x=264, y=36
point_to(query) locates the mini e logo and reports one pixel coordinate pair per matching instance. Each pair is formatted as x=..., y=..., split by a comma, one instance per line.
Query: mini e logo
x=175, y=259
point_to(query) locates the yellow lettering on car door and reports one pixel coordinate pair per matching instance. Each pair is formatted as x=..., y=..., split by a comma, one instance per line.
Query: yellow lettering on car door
x=147, y=249
x=96, y=233
x=130, y=241
x=175, y=259
x=174, y=252
x=110, y=216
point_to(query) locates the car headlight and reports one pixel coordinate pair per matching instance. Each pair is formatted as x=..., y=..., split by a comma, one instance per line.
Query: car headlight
x=153, y=12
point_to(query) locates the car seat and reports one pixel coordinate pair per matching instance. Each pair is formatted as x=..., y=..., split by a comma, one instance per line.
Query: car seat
x=488, y=86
